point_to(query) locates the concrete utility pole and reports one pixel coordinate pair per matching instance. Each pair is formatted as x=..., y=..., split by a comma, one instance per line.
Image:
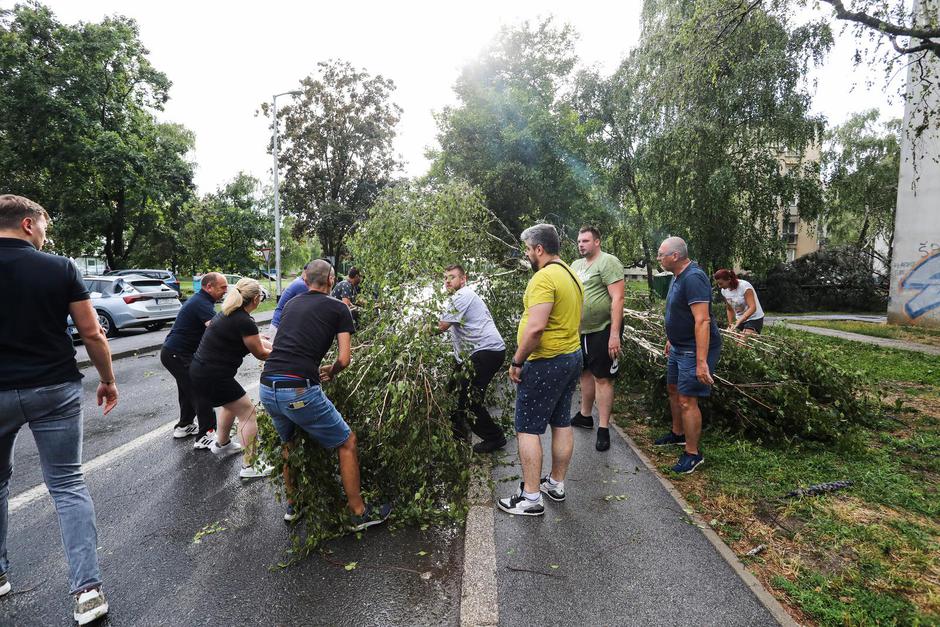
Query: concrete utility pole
x=277, y=194
x=915, y=262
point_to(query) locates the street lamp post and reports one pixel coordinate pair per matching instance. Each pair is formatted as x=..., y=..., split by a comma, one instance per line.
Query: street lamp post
x=277, y=193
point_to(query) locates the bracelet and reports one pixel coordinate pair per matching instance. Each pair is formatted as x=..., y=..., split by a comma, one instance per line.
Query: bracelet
x=514, y=364
x=106, y=382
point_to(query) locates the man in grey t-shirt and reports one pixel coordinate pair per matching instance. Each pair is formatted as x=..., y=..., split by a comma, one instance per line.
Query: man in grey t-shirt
x=473, y=332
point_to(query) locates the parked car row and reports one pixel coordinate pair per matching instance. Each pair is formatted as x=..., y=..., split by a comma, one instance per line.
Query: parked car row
x=125, y=301
x=164, y=275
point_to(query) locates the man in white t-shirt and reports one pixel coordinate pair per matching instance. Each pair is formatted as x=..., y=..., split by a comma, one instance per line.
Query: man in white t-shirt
x=742, y=306
x=473, y=332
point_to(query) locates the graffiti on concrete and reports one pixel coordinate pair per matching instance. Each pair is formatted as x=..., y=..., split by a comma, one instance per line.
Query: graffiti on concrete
x=925, y=278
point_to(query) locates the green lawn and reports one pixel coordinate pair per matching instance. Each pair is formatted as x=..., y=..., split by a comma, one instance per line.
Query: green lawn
x=869, y=554
x=921, y=335
x=267, y=305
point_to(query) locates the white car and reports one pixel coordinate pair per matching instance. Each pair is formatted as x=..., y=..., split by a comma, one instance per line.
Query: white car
x=123, y=302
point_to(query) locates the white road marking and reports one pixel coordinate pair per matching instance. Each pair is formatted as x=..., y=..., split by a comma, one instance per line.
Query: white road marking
x=22, y=500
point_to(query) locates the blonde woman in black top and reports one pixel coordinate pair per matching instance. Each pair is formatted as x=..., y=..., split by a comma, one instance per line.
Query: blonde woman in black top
x=231, y=335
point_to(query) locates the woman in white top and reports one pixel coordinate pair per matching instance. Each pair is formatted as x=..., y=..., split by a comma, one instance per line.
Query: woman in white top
x=743, y=308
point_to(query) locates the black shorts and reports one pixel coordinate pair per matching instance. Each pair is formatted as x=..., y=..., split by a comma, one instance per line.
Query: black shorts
x=753, y=325
x=217, y=390
x=596, y=357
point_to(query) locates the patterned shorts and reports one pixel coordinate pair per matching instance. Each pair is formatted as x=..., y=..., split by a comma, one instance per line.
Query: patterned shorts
x=544, y=396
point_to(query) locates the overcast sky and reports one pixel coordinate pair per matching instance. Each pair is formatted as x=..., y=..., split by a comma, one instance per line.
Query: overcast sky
x=225, y=58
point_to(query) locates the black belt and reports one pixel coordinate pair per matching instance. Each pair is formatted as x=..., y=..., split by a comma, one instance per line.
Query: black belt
x=288, y=383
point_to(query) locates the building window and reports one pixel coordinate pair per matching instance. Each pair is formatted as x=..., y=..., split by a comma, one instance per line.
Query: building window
x=790, y=228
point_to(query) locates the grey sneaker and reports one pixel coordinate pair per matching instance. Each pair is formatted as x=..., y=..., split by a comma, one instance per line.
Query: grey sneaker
x=291, y=514
x=89, y=605
x=4, y=585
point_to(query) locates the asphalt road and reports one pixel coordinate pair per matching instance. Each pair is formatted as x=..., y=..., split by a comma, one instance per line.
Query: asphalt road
x=617, y=551
x=152, y=502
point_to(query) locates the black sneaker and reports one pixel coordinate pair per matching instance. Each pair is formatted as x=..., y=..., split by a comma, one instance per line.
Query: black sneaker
x=488, y=446
x=371, y=517
x=519, y=505
x=580, y=420
x=603, y=439
x=670, y=439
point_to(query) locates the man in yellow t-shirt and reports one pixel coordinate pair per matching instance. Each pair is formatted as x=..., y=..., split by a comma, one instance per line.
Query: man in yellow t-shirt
x=545, y=367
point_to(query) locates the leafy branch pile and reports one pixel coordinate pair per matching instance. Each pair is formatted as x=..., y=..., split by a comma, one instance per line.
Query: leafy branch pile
x=770, y=386
x=397, y=394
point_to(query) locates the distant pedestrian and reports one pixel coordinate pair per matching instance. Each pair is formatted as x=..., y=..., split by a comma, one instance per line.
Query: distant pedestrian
x=601, y=332
x=741, y=303
x=297, y=287
x=545, y=368
x=347, y=291
x=231, y=335
x=477, y=340
x=291, y=386
x=177, y=354
x=41, y=386
x=693, y=347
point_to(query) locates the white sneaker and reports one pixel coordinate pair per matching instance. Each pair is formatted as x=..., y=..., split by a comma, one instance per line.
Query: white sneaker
x=184, y=432
x=519, y=505
x=89, y=605
x=205, y=442
x=231, y=447
x=258, y=469
x=5, y=586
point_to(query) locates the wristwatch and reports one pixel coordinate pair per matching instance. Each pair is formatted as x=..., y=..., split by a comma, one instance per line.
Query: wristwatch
x=514, y=364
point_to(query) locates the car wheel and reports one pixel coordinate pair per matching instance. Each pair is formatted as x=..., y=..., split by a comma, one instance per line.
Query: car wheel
x=155, y=326
x=107, y=324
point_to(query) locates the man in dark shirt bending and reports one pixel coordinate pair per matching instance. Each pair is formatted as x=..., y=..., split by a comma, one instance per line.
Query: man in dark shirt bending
x=178, y=349
x=290, y=385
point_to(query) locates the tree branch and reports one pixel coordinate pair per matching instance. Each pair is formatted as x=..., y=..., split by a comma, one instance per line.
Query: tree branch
x=892, y=30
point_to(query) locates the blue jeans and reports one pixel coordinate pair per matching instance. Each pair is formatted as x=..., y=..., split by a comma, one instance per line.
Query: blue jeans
x=307, y=408
x=680, y=371
x=54, y=415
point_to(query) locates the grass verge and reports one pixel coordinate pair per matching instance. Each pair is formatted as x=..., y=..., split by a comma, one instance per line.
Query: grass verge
x=920, y=335
x=869, y=554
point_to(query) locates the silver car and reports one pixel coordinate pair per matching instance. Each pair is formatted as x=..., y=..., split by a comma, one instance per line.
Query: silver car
x=128, y=301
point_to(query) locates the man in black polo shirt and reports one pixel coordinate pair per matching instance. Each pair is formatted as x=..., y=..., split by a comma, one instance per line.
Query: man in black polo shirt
x=40, y=385
x=178, y=349
x=290, y=385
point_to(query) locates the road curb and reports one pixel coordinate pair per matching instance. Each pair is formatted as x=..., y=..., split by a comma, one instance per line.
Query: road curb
x=479, y=605
x=767, y=600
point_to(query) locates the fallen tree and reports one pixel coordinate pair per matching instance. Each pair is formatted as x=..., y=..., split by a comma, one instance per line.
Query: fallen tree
x=771, y=386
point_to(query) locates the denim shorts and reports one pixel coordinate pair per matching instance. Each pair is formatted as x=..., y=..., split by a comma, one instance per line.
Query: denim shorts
x=680, y=371
x=544, y=396
x=307, y=408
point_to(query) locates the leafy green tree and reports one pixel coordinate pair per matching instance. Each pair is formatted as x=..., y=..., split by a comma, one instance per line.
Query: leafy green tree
x=692, y=136
x=224, y=230
x=78, y=133
x=337, y=150
x=515, y=134
x=861, y=164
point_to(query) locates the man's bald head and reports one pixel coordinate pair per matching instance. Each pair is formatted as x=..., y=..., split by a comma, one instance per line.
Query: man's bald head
x=675, y=245
x=318, y=274
x=209, y=279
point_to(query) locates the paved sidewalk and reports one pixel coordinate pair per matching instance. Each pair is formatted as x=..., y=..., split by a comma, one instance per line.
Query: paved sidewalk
x=139, y=343
x=593, y=560
x=868, y=339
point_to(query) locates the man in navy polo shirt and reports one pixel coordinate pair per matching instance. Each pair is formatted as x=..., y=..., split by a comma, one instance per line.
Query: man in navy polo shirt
x=297, y=287
x=178, y=349
x=693, y=347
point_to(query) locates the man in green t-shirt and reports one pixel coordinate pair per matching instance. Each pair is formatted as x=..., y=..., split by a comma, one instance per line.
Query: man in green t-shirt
x=601, y=331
